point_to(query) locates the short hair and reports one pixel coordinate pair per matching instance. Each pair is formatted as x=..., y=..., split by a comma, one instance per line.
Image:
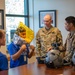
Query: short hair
x=70, y=19
x=2, y=32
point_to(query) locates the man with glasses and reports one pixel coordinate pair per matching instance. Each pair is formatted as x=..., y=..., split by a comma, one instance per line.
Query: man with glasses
x=45, y=37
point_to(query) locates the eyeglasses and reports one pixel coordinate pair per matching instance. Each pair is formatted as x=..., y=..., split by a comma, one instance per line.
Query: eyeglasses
x=47, y=20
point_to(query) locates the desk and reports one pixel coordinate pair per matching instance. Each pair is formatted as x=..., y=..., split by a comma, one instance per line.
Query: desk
x=38, y=69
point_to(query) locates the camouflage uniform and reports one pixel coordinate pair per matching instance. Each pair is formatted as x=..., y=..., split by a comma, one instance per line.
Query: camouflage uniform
x=45, y=38
x=69, y=46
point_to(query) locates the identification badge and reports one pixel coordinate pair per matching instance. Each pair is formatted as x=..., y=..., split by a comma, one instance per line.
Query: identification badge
x=24, y=58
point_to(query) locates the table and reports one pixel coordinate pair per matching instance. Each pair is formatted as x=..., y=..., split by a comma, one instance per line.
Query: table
x=38, y=69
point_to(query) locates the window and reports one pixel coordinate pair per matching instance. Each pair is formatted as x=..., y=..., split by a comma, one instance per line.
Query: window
x=16, y=11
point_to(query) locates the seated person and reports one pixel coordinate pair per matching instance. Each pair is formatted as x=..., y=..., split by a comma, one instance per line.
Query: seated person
x=3, y=58
x=19, y=49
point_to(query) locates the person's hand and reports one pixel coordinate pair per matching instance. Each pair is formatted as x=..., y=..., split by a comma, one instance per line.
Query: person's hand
x=49, y=49
x=23, y=47
x=32, y=47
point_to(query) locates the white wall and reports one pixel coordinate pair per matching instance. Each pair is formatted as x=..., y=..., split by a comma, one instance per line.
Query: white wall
x=64, y=8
